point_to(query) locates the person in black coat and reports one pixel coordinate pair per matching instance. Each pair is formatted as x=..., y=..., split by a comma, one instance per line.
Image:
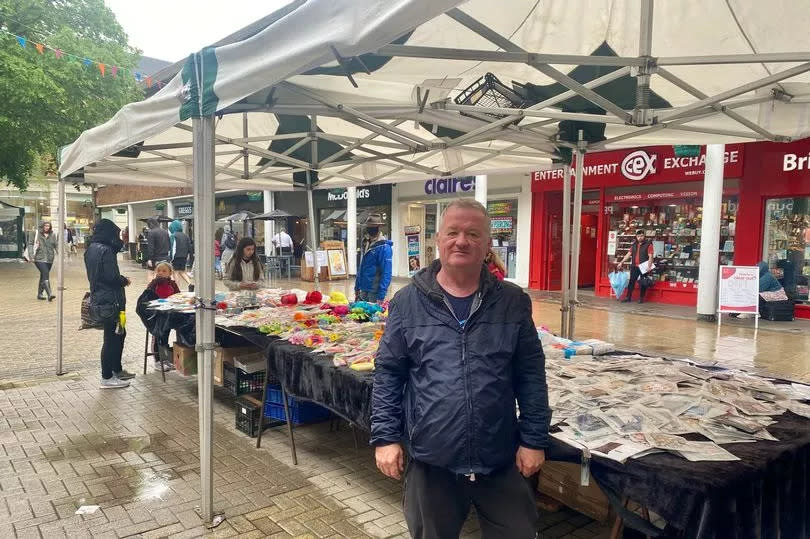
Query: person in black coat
x=459, y=349
x=108, y=300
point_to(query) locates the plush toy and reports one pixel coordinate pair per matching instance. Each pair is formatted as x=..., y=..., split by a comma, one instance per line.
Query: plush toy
x=313, y=298
x=338, y=298
x=289, y=299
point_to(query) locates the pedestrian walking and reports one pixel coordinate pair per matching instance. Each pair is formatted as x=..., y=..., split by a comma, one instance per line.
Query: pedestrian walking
x=70, y=246
x=157, y=246
x=641, y=253
x=459, y=349
x=374, y=274
x=44, y=249
x=180, y=248
x=108, y=300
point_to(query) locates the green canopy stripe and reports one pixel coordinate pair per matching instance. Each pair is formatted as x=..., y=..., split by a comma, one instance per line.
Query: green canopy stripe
x=200, y=70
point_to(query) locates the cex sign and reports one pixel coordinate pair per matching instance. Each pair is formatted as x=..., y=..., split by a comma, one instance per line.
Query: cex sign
x=656, y=164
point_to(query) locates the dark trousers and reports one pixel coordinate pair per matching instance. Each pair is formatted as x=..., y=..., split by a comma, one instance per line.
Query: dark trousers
x=635, y=275
x=111, y=350
x=436, y=503
x=44, y=277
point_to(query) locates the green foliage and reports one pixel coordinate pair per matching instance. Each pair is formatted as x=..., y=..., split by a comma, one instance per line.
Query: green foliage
x=46, y=102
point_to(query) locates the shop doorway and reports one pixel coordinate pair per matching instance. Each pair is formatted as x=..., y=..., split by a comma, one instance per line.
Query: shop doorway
x=588, y=238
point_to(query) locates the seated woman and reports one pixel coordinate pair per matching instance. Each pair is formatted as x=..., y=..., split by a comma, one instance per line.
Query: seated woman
x=244, y=271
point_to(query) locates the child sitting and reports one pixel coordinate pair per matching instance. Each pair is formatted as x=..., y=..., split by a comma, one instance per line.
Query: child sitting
x=163, y=286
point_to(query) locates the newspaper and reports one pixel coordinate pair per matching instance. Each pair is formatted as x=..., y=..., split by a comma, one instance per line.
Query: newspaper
x=629, y=406
x=706, y=451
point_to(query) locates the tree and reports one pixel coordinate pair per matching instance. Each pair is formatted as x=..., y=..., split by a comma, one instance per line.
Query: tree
x=45, y=101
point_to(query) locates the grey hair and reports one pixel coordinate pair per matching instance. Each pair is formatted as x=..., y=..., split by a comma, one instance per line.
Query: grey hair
x=468, y=204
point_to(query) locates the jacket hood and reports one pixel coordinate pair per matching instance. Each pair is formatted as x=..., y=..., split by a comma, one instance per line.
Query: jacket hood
x=176, y=226
x=425, y=281
x=763, y=268
x=107, y=232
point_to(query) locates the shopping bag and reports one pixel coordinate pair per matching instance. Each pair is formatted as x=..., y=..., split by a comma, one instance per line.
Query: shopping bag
x=618, y=282
x=646, y=281
x=94, y=316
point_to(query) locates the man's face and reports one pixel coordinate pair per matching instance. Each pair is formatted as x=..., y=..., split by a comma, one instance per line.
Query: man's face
x=640, y=237
x=463, y=238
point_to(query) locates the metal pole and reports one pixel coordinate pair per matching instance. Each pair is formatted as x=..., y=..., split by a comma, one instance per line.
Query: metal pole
x=710, y=232
x=60, y=272
x=312, y=233
x=351, y=229
x=575, y=238
x=566, y=250
x=313, y=230
x=203, y=170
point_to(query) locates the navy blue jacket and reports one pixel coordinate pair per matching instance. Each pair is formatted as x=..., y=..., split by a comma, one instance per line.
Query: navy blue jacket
x=448, y=392
x=374, y=275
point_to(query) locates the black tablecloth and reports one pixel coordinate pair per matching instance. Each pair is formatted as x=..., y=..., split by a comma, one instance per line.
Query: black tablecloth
x=314, y=377
x=765, y=494
x=184, y=325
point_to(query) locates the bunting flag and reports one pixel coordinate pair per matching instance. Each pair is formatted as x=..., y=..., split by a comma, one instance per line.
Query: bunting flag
x=102, y=67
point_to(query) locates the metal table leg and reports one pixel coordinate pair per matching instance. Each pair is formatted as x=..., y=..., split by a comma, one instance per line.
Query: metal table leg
x=264, y=399
x=289, y=425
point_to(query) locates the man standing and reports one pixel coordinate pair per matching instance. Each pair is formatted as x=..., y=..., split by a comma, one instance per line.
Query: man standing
x=641, y=251
x=374, y=274
x=283, y=241
x=157, y=246
x=459, y=349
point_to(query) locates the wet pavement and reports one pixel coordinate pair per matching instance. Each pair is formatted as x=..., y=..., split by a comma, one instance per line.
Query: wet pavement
x=64, y=443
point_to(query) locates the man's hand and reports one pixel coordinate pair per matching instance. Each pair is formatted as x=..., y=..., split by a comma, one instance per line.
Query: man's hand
x=150, y=264
x=391, y=460
x=528, y=461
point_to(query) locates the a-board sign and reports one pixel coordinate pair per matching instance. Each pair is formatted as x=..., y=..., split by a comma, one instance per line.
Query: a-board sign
x=739, y=289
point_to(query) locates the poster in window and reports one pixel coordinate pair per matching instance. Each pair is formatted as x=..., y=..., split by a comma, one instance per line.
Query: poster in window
x=337, y=262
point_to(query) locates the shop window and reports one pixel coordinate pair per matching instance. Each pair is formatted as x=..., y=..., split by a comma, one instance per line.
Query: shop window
x=787, y=244
x=503, y=218
x=674, y=227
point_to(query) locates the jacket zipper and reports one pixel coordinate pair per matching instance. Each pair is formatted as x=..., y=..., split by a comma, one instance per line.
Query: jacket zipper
x=467, y=390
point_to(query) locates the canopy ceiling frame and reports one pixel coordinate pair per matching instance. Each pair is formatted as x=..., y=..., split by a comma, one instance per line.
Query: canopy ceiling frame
x=524, y=131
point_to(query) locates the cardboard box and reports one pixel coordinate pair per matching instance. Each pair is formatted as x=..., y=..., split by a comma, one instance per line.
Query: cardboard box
x=561, y=481
x=227, y=355
x=185, y=360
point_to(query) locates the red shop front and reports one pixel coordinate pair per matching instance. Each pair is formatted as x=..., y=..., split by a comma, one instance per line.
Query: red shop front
x=650, y=189
x=774, y=215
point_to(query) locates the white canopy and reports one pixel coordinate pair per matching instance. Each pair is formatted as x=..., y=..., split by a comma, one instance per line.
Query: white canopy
x=751, y=57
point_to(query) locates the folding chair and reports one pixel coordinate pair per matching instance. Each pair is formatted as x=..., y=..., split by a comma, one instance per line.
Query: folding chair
x=147, y=354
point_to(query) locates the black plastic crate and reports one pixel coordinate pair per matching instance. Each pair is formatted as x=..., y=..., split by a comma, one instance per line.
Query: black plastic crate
x=247, y=414
x=238, y=382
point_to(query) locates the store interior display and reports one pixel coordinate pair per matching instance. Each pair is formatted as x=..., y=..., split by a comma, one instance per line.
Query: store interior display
x=787, y=245
x=674, y=228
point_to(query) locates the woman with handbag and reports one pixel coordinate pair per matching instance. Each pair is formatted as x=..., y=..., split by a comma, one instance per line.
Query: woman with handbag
x=108, y=300
x=44, y=249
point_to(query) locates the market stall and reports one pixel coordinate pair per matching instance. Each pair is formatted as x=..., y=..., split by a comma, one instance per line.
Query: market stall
x=711, y=451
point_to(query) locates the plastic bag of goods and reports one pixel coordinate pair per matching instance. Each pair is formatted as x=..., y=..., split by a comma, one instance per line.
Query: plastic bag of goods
x=618, y=282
